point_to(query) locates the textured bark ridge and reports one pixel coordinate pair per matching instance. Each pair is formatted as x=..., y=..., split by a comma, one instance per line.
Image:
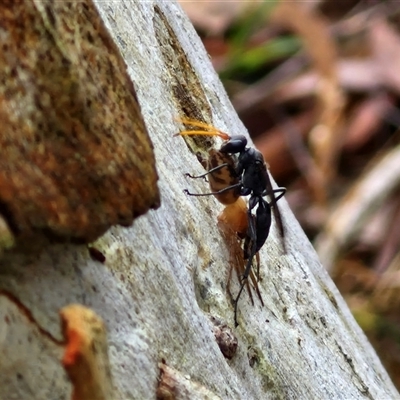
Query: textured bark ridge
x=162, y=289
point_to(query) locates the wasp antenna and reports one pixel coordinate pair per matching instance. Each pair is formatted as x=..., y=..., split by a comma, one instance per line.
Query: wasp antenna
x=194, y=122
x=197, y=132
x=209, y=129
x=223, y=135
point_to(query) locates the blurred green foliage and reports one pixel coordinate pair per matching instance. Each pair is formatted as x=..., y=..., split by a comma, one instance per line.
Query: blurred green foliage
x=248, y=59
x=248, y=64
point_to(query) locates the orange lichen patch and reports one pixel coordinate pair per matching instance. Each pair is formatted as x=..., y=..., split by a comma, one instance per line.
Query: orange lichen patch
x=86, y=357
x=76, y=156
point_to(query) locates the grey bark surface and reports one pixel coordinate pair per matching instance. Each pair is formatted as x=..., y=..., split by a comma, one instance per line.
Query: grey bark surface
x=165, y=276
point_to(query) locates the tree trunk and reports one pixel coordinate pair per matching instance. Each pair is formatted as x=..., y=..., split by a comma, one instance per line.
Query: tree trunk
x=162, y=291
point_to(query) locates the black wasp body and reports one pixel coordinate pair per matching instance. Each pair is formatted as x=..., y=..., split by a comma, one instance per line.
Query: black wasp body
x=250, y=166
x=252, y=180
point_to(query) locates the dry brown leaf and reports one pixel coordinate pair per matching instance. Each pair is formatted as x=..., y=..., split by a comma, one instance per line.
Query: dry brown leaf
x=350, y=215
x=353, y=75
x=214, y=17
x=366, y=120
x=325, y=138
x=385, y=44
x=385, y=299
x=274, y=147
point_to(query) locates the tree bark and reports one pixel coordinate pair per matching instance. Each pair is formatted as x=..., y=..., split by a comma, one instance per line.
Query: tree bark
x=163, y=285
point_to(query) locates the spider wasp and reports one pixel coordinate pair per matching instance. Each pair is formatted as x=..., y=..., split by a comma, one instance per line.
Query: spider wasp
x=229, y=180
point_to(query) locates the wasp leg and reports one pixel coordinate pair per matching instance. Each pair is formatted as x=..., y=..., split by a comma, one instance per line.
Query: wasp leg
x=236, y=260
x=254, y=281
x=258, y=267
x=208, y=172
x=275, y=209
x=252, y=234
x=228, y=282
x=245, y=276
x=274, y=199
x=240, y=270
x=198, y=132
x=237, y=264
x=195, y=122
x=213, y=193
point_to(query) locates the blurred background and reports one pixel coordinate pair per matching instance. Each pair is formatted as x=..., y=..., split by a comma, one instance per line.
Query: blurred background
x=318, y=86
